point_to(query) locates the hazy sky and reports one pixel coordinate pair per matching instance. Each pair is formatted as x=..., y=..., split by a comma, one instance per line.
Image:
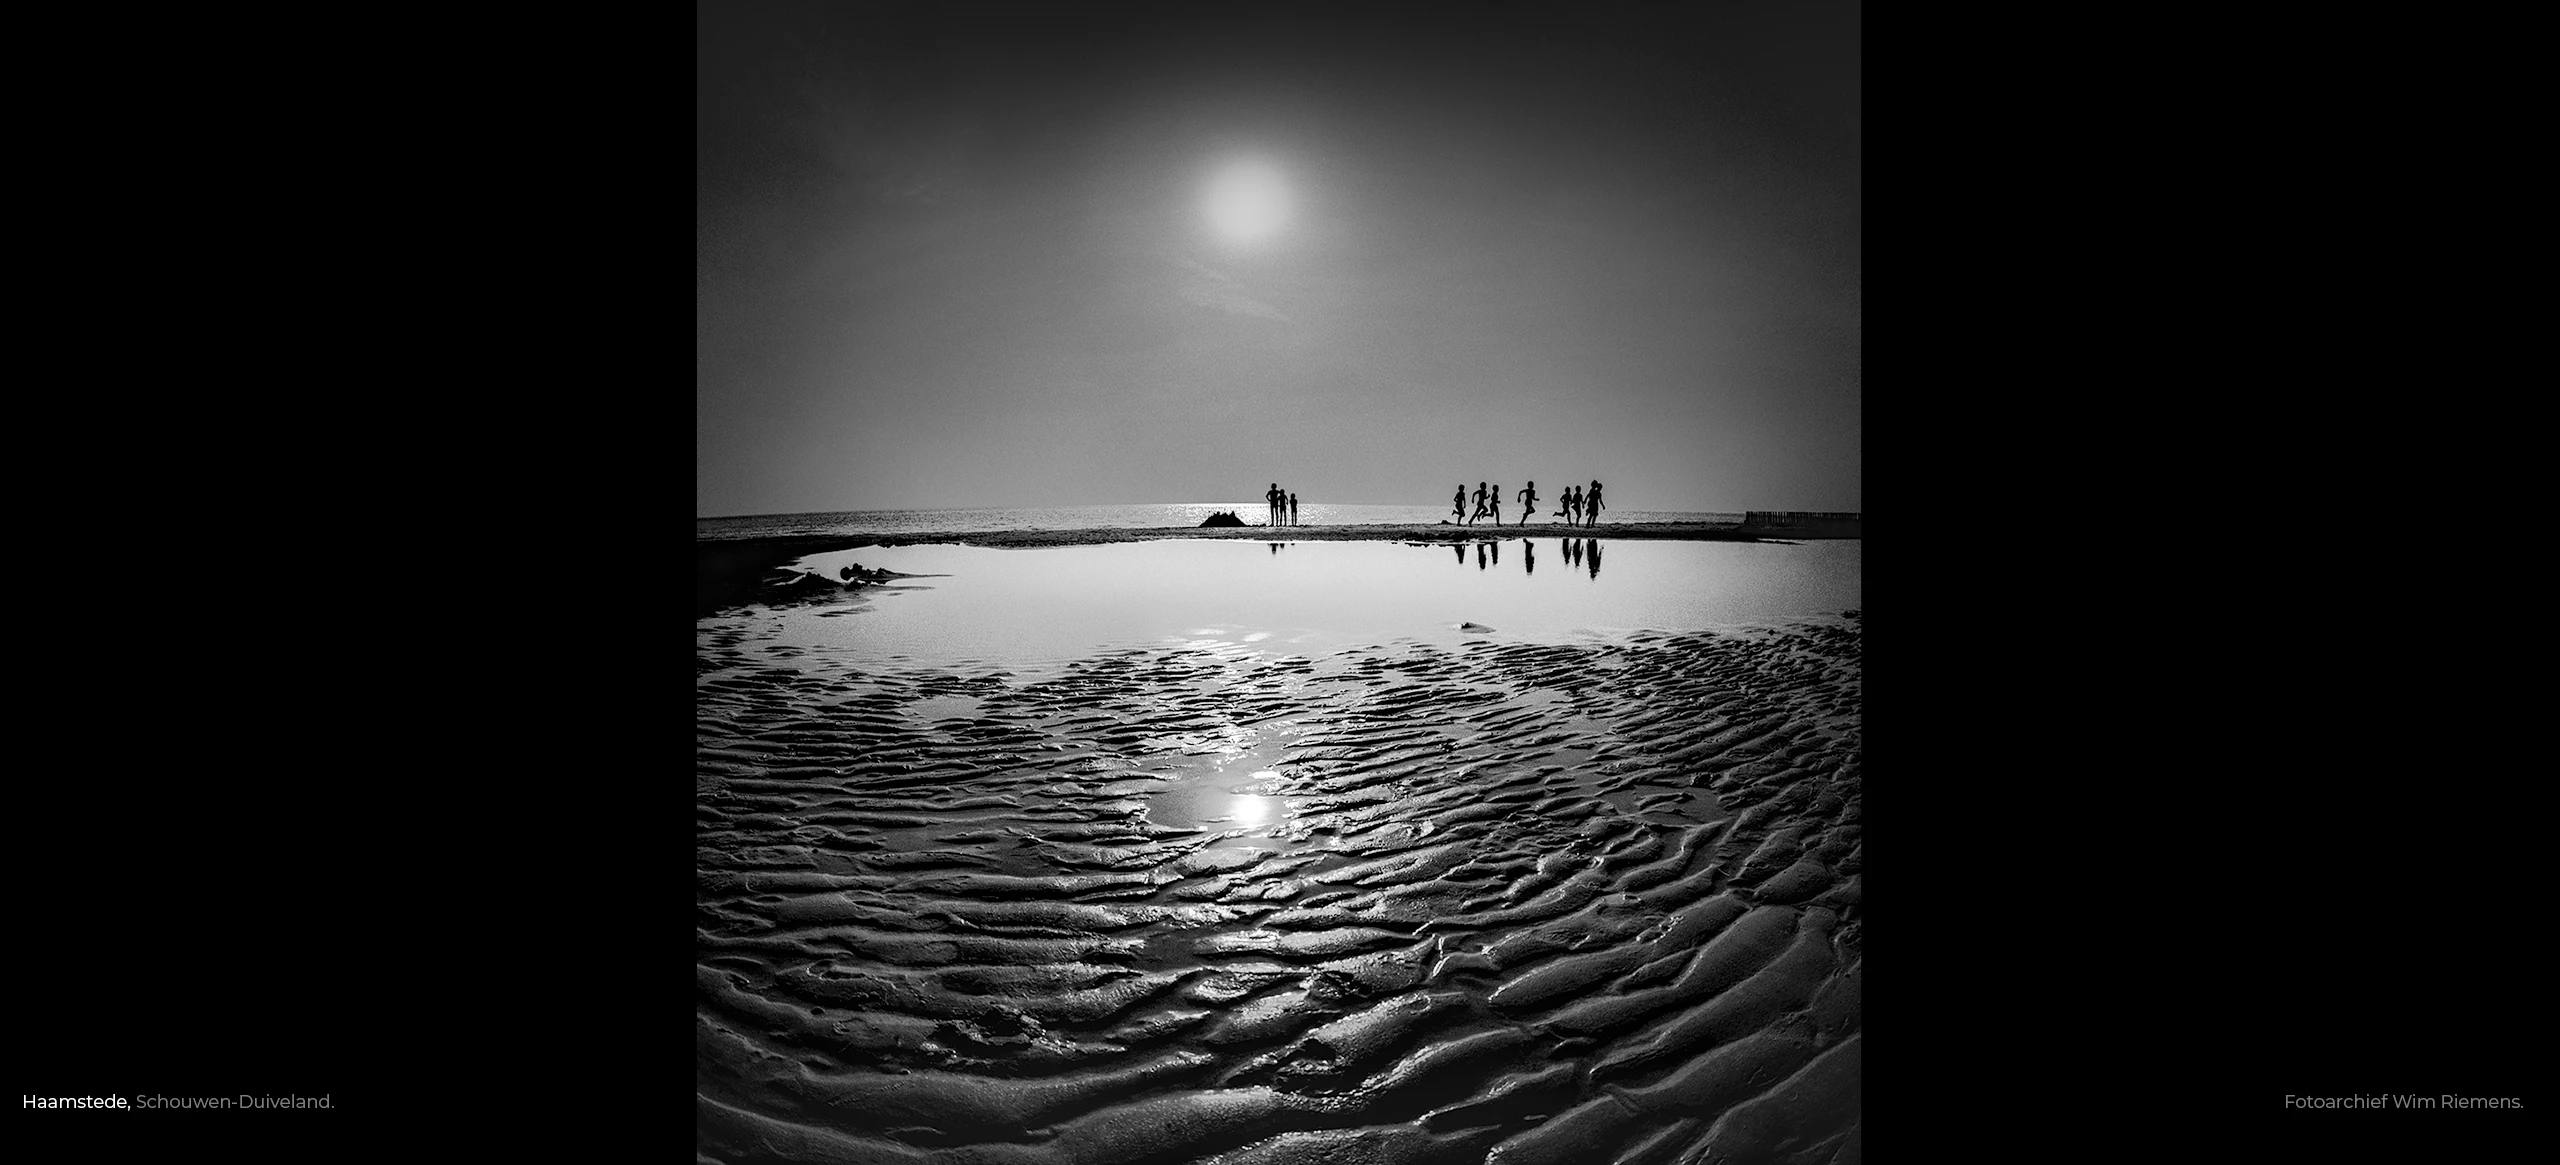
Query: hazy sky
x=1167, y=254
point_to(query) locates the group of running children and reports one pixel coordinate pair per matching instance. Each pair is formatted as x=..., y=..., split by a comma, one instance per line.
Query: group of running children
x=1578, y=507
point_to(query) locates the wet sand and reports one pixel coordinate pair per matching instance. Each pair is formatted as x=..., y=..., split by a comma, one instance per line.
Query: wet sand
x=1503, y=901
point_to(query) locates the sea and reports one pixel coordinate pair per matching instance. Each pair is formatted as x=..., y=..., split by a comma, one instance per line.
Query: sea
x=1144, y=516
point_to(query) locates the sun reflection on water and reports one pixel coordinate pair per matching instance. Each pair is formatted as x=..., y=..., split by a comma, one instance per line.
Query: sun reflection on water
x=1249, y=809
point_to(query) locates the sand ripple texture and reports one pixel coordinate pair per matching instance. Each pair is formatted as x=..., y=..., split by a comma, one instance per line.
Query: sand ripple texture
x=1512, y=902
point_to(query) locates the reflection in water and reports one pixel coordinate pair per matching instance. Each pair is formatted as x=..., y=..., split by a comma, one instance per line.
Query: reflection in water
x=1042, y=605
x=1275, y=546
x=1247, y=809
x=1528, y=557
x=1593, y=553
x=1479, y=556
x=1461, y=552
x=1497, y=553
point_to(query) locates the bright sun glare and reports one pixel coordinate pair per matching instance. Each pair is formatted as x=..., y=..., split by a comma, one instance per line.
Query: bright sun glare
x=1248, y=809
x=1248, y=201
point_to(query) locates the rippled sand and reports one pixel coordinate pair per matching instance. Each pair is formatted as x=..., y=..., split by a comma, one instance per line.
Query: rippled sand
x=1516, y=902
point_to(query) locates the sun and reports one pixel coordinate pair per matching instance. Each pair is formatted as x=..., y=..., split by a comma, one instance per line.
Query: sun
x=1248, y=202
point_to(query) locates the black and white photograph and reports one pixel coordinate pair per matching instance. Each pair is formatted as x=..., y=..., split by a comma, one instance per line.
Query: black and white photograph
x=1273, y=585
x=1278, y=585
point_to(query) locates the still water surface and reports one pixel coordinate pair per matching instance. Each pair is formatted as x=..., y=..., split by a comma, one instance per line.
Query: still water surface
x=1028, y=607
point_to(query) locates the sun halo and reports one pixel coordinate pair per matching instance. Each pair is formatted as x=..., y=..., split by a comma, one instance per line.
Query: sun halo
x=1248, y=202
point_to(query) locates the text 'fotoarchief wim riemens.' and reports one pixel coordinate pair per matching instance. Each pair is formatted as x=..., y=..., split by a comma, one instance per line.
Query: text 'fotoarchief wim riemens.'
x=2390, y=1100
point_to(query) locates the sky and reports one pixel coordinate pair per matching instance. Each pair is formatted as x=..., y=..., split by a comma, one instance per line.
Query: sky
x=951, y=256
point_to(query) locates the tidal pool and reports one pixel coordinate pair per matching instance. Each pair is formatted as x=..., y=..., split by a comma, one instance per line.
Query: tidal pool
x=1020, y=608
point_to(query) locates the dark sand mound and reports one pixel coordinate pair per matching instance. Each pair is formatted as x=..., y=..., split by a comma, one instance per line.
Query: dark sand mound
x=1511, y=902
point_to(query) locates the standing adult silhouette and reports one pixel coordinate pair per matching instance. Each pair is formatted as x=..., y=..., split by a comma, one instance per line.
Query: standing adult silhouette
x=1271, y=502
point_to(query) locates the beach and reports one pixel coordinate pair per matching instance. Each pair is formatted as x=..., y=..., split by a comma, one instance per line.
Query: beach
x=1294, y=884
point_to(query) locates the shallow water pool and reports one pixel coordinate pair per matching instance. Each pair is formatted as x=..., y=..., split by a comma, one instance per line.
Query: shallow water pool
x=1017, y=607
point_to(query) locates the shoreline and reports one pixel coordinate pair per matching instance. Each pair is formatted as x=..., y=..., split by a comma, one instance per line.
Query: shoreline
x=728, y=571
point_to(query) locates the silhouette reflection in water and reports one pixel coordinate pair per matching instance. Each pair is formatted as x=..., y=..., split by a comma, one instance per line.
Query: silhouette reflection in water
x=1528, y=556
x=1275, y=546
x=1573, y=552
x=1592, y=552
x=1479, y=556
x=1461, y=552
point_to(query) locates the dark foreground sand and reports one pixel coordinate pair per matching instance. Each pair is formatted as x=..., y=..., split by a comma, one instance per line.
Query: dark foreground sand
x=1514, y=902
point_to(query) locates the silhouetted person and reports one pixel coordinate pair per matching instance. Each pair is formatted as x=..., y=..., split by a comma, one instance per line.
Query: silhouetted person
x=1570, y=506
x=1271, y=502
x=1591, y=505
x=1479, y=511
x=1458, y=505
x=1594, y=555
x=1293, y=509
x=1528, y=556
x=1528, y=502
